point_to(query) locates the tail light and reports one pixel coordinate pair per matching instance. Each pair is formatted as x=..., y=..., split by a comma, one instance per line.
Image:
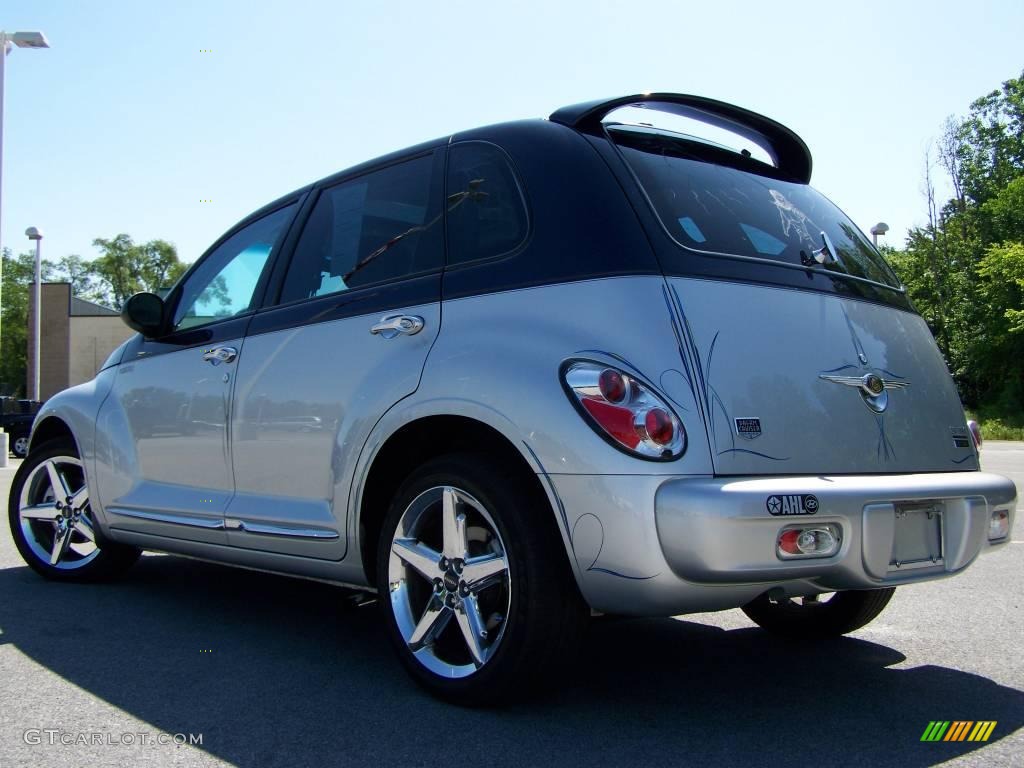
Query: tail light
x=815, y=540
x=624, y=410
x=999, y=525
x=975, y=433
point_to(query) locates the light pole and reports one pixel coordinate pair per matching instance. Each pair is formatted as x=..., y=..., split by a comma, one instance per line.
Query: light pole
x=22, y=40
x=34, y=234
x=879, y=229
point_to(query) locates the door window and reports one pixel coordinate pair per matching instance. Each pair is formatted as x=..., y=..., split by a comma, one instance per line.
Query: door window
x=224, y=284
x=380, y=226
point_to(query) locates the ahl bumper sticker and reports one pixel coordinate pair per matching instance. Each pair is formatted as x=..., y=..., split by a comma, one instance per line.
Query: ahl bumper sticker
x=792, y=504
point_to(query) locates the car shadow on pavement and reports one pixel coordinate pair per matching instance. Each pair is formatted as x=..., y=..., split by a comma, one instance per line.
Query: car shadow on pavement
x=274, y=671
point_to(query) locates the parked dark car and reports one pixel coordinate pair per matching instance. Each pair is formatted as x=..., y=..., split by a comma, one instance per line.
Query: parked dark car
x=16, y=417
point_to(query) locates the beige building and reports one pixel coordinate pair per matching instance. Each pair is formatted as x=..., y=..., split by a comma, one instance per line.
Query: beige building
x=76, y=337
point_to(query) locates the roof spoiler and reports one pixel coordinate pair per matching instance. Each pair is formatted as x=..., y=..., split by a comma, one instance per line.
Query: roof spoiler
x=787, y=150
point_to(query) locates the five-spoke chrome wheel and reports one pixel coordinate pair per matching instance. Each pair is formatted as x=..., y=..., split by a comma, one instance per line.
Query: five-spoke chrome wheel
x=449, y=581
x=54, y=514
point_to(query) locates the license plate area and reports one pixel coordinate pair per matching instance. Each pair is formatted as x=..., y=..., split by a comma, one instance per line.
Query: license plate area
x=917, y=536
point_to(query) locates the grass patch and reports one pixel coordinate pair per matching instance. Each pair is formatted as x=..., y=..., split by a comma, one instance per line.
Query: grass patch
x=998, y=426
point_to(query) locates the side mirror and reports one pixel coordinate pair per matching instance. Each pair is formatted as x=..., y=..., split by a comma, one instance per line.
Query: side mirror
x=144, y=312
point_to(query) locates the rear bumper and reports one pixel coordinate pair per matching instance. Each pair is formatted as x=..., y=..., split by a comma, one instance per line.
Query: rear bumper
x=650, y=546
x=719, y=530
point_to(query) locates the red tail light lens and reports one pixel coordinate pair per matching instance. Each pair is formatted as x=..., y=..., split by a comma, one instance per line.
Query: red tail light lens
x=612, y=385
x=658, y=424
x=624, y=410
x=787, y=542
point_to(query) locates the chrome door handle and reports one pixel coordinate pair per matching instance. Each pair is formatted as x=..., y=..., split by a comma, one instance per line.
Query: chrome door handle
x=219, y=355
x=392, y=325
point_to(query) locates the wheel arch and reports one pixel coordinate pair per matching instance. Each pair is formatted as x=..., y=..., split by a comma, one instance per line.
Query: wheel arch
x=420, y=440
x=50, y=428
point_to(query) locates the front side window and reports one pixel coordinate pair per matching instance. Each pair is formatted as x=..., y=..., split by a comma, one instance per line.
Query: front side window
x=224, y=284
x=383, y=225
x=729, y=211
x=486, y=213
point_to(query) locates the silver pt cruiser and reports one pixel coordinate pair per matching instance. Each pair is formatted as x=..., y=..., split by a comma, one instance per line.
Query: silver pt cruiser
x=624, y=360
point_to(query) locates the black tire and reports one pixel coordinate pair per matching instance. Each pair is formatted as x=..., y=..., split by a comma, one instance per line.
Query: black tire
x=843, y=612
x=81, y=559
x=19, y=445
x=545, y=613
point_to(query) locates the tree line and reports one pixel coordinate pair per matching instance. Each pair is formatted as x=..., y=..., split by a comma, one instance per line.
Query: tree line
x=122, y=268
x=964, y=269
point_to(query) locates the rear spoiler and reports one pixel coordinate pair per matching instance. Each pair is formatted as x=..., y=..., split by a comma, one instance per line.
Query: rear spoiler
x=787, y=150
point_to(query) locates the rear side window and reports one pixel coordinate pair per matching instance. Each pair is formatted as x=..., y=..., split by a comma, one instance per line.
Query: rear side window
x=486, y=211
x=381, y=226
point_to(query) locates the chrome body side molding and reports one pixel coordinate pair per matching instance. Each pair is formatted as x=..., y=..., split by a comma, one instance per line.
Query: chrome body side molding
x=266, y=529
x=163, y=517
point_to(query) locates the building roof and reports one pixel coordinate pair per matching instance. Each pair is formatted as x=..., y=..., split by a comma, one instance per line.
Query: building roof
x=83, y=308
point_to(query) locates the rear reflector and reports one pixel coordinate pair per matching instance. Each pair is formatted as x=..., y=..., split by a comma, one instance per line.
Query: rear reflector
x=616, y=421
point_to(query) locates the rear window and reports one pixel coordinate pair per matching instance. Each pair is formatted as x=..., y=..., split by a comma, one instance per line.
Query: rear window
x=729, y=211
x=486, y=213
x=381, y=226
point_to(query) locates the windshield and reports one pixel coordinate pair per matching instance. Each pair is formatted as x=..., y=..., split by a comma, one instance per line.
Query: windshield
x=724, y=210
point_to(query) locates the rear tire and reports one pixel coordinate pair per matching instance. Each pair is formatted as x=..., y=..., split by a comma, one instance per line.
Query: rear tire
x=487, y=626
x=19, y=446
x=52, y=522
x=812, y=619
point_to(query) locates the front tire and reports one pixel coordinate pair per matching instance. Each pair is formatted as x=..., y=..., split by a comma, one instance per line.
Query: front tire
x=815, y=618
x=51, y=519
x=477, y=592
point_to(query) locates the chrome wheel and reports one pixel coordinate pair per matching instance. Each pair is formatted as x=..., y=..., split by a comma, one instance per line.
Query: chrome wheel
x=449, y=582
x=20, y=447
x=54, y=514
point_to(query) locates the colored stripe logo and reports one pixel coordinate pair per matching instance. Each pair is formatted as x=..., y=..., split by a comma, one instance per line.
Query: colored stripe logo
x=958, y=730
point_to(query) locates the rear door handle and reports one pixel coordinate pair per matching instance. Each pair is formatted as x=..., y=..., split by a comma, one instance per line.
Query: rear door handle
x=392, y=325
x=219, y=355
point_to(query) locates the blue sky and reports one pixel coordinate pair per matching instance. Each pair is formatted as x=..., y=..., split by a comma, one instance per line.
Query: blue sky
x=126, y=126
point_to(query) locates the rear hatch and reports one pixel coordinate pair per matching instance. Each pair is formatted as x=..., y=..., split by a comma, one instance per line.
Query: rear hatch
x=779, y=376
x=790, y=377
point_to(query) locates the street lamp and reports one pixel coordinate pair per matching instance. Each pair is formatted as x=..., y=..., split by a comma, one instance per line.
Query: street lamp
x=879, y=229
x=34, y=234
x=22, y=40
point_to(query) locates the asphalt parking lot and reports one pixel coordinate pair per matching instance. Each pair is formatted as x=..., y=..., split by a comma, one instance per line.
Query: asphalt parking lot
x=274, y=671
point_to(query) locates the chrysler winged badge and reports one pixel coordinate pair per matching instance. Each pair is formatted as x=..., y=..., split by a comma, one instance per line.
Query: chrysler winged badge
x=872, y=387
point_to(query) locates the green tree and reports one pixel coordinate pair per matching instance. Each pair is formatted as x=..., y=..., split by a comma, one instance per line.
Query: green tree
x=18, y=276
x=82, y=277
x=964, y=270
x=991, y=141
x=1003, y=266
x=124, y=268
